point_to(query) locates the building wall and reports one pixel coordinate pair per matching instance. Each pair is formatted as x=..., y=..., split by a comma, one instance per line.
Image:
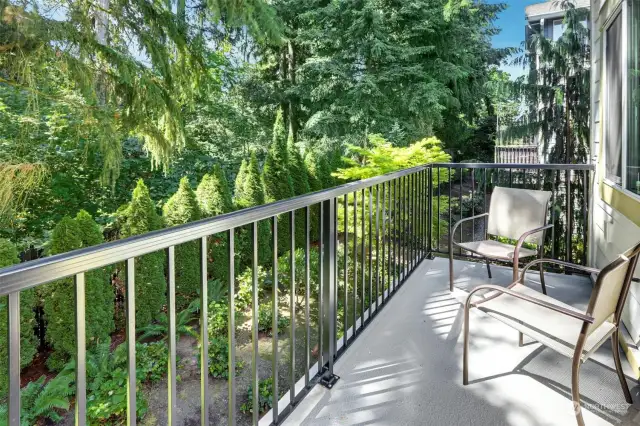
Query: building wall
x=616, y=214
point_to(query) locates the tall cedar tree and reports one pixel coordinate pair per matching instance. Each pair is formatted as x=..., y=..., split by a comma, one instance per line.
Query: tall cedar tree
x=300, y=179
x=182, y=208
x=214, y=198
x=59, y=297
x=28, y=341
x=250, y=193
x=140, y=217
x=277, y=179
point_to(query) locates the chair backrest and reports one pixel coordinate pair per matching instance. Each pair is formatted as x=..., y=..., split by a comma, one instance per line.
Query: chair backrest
x=611, y=288
x=515, y=211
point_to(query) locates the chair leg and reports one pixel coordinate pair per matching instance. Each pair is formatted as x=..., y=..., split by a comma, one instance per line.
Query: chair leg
x=542, y=283
x=520, y=339
x=575, y=390
x=616, y=359
x=450, y=266
x=516, y=269
x=465, y=348
x=488, y=268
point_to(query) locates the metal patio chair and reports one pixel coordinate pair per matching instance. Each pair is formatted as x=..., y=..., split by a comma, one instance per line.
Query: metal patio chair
x=517, y=214
x=557, y=325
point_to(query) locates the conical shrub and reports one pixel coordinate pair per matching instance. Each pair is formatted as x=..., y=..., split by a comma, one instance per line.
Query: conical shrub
x=139, y=217
x=183, y=208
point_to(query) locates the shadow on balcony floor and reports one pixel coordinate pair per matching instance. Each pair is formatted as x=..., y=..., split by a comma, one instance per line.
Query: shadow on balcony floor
x=406, y=367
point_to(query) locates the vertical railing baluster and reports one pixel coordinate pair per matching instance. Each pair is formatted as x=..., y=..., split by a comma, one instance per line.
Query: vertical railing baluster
x=403, y=253
x=275, y=361
x=292, y=308
x=484, y=210
x=81, y=354
x=460, y=205
x=13, y=324
x=395, y=234
x=204, y=335
x=131, y=342
x=377, y=245
x=473, y=204
x=585, y=215
x=355, y=262
x=384, y=237
x=450, y=216
x=412, y=218
x=307, y=294
x=362, y=260
x=569, y=212
x=370, y=191
x=254, y=326
x=438, y=214
x=345, y=272
x=321, y=331
x=553, y=214
x=171, y=314
x=231, y=320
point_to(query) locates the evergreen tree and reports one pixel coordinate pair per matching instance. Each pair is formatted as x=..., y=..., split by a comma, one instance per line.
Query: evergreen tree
x=300, y=179
x=238, y=192
x=214, y=198
x=28, y=341
x=249, y=193
x=183, y=208
x=277, y=179
x=59, y=297
x=140, y=217
x=213, y=193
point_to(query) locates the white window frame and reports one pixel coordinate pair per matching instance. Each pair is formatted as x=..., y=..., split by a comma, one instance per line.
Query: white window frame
x=621, y=11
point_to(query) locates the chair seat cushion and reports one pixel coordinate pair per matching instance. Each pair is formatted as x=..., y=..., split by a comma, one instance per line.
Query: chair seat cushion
x=553, y=329
x=497, y=250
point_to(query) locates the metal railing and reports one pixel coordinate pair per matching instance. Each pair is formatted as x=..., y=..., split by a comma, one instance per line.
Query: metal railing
x=463, y=190
x=370, y=236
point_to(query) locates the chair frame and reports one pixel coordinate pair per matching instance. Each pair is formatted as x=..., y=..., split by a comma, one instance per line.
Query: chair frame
x=516, y=251
x=587, y=318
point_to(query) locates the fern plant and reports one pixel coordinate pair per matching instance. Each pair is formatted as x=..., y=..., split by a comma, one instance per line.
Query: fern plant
x=183, y=320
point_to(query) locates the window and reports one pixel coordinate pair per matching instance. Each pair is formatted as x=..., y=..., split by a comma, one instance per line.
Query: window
x=632, y=181
x=622, y=107
x=613, y=132
x=558, y=29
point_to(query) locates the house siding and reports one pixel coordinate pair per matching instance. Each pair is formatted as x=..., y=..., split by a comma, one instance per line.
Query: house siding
x=615, y=225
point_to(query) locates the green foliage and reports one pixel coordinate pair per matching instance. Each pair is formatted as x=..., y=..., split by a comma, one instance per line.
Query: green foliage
x=44, y=400
x=160, y=328
x=139, y=217
x=219, y=358
x=265, y=397
x=276, y=173
x=214, y=198
x=183, y=208
x=107, y=381
x=319, y=171
x=249, y=189
x=28, y=341
x=213, y=193
x=59, y=297
x=265, y=319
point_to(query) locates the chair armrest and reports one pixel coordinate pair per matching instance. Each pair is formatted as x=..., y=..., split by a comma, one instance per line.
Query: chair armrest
x=453, y=230
x=524, y=236
x=569, y=312
x=558, y=262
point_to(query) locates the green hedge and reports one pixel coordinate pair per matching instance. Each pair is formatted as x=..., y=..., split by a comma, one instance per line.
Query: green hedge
x=28, y=341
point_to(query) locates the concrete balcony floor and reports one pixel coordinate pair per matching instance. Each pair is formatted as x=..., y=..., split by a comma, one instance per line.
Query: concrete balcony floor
x=406, y=367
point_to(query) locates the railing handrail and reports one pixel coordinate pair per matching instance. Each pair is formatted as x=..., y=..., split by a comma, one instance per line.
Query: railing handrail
x=521, y=166
x=30, y=274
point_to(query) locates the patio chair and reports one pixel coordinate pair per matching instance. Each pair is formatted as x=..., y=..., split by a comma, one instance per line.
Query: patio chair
x=557, y=325
x=517, y=214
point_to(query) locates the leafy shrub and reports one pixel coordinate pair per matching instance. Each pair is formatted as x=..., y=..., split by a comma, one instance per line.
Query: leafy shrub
x=43, y=400
x=28, y=341
x=59, y=296
x=183, y=321
x=139, y=217
x=107, y=384
x=244, y=287
x=151, y=361
x=218, y=319
x=265, y=397
x=265, y=318
x=183, y=208
x=219, y=358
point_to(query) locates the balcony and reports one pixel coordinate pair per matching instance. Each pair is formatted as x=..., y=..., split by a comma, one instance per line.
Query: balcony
x=377, y=242
x=406, y=366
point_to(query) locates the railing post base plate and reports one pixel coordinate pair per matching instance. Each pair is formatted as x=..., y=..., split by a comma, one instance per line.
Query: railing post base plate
x=431, y=256
x=329, y=380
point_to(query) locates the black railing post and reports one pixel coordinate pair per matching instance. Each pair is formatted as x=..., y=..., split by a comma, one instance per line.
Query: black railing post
x=328, y=292
x=429, y=212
